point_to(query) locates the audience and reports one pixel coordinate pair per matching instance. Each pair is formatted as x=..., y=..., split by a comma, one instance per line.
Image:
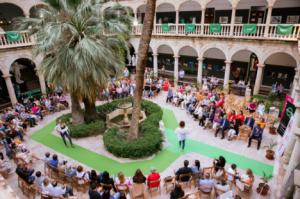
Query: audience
x=206, y=185
x=184, y=170
x=153, y=179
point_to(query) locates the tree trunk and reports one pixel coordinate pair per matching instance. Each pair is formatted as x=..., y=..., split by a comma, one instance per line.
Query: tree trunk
x=90, y=113
x=77, y=114
x=140, y=67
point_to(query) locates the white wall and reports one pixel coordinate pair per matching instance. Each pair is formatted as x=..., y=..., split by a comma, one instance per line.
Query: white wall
x=281, y=59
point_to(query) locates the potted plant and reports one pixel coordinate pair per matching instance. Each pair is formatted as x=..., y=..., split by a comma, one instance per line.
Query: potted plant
x=269, y=152
x=272, y=128
x=263, y=187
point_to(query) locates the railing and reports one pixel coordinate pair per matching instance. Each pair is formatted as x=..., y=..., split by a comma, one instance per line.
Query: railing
x=180, y=30
x=25, y=40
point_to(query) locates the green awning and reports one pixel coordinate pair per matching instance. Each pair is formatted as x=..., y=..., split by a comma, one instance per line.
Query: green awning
x=189, y=28
x=284, y=29
x=13, y=36
x=215, y=28
x=249, y=29
x=165, y=27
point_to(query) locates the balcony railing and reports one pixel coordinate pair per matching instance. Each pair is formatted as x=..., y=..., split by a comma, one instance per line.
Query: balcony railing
x=24, y=40
x=180, y=30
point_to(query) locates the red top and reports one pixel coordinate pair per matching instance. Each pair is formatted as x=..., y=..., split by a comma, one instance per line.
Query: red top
x=240, y=117
x=153, y=177
x=231, y=117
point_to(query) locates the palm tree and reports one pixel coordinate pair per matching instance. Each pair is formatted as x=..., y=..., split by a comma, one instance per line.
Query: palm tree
x=140, y=68
x=83, y=48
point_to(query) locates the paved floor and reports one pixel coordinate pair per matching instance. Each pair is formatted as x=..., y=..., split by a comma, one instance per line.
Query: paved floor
x=197, y=133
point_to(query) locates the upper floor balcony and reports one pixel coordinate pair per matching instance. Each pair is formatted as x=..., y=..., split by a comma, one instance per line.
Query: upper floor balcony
x=248, y=31
x=244, y=31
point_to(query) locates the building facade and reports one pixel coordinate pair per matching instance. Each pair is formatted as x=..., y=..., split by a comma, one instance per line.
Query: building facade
x=256, y=41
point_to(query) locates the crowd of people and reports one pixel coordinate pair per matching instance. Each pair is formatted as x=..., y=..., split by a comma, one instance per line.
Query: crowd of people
x=209, y=108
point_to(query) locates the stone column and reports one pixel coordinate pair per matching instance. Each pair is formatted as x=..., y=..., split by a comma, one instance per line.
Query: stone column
x=268, y=21
x=154, y=24
x=295, y=82
x=10, y=89
x=200, y=68
x=202, y=20
x=294, y=160
x=155, y=66
x=176, y=66
x=177, y=22
x=135, y=18
x=258, y=79
x=42, y=82
x=227, y=75
x=232, y=22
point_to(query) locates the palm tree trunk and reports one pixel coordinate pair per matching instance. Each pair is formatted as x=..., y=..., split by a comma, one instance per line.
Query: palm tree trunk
x=140, y=68
x=77, y=114
x=90, y=113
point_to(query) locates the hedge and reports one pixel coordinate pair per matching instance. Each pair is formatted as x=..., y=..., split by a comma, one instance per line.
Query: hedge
x=84, y=130
x=150, y=138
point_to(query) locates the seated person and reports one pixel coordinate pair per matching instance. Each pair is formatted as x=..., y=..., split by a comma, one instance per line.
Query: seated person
x=249, y=121
x=39, y=179
x=217, y=121
x=206, y=185
x=93, y=192
x=196, y=168
x=24, y=172
x=245, y=181
x=256, y=135
x=219, y=163
x=154, y=176
x=81, y=176
x=107, y=181
x=231, y=133
x=54, y=161
x=223, y=127
x=139, y=177
x=231, y=173
x=252, y=106
x=5, y=166
x=184, y=170
x=222, y=187
x=261, y=108
x=262, y=124
x=59, y=191
x=178, y=192
x=121, y=183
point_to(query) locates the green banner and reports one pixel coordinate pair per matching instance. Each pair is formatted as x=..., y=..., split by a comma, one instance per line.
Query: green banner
x=189, y=28
x=284, y=29
x=13, y=36
x=249, y=29
x=165, y=27
x=215, y=28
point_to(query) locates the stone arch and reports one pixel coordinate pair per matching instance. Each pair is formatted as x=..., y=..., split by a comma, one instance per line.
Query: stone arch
x=222, y=48
x=165, y=58
x=252, y=49
x=26, y=55
x=10, y=11
x=164, y=45
x=189, y=1
x=35, y=8
x=211, y=1
x=288, y=52
x=15, y=3
x=188, y=46
x=170, y=2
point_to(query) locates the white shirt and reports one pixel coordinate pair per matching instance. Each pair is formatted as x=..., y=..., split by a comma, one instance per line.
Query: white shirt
x=56, y=191
x=181, y=133
x=61, y=130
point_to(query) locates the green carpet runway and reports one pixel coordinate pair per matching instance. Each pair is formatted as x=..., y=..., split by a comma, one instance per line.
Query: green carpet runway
x=161, y=161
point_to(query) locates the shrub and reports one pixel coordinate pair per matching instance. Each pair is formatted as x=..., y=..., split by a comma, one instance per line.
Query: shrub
x=149, y=140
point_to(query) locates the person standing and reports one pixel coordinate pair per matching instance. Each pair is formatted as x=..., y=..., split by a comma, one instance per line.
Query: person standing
x=181, y=132
x=63, y=130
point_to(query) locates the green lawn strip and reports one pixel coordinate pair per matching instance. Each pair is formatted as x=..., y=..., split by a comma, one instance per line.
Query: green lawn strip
x=241, y=161
x=161, y=161
x=99, y=162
